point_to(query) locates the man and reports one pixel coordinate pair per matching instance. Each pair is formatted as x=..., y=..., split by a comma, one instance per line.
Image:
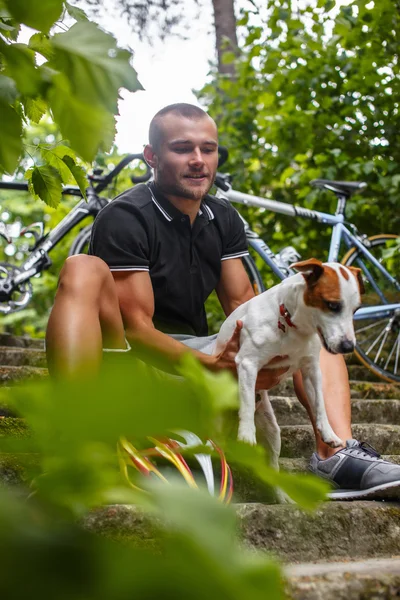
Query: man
x=157, y=252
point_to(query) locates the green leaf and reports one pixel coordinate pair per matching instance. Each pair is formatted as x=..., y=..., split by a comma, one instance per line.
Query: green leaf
x=306, y=490
x=10, y=138
x=46, y=183
x=94, y=66
x=76, y=13
x=38, y=15
x=54, y=156
x=8, y=89
x=35, y=108
x=78, y=173
x=8, y=26
x=28, y=177
x=20, y=66
x=88, y=128
x=40, y=42
x=228, y=58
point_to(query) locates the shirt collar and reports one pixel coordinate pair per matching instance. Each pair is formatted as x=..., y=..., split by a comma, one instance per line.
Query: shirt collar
x=169, y=211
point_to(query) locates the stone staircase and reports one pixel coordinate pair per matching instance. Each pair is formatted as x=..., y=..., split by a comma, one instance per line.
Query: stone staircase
x=343, y=550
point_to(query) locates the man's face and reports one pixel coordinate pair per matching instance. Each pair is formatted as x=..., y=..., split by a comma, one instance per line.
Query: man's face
x=186, y=161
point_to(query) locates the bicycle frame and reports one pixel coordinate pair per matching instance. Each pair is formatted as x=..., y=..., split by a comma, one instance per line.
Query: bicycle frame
x=339, y=232
x=38, y=259
x=34, y=263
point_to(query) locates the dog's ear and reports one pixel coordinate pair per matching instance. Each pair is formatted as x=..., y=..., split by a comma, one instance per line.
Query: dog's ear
x=357, y=274
x=311, y=269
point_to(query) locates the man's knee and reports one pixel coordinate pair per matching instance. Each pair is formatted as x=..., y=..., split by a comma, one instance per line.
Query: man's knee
x=83, y=274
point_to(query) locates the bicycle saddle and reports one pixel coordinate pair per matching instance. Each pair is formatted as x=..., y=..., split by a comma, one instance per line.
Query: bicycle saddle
x=342, y=187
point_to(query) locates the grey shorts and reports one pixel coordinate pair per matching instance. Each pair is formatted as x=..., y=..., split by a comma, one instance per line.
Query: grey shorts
x=202, y=344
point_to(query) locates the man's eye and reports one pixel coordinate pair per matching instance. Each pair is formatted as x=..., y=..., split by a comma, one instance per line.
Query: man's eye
x=209, y=150
x=334, y=306
x=180, y=150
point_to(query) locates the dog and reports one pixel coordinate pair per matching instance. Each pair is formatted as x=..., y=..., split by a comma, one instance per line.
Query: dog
x=310, y=309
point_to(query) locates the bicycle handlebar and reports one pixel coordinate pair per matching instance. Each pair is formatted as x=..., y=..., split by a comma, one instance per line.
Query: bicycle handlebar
x=223, y=155
x=102, y=182
x=106, y=180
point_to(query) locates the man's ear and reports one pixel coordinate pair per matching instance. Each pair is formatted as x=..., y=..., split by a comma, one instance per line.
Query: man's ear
x=150, y=156
x=311, y=269
x=357, y=274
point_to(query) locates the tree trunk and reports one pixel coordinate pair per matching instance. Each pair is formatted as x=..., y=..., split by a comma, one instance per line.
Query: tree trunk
x=225, y=33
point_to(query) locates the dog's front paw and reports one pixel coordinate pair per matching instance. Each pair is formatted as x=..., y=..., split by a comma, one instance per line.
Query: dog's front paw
x=330, y=438
x=282, y=498
x=248, y=435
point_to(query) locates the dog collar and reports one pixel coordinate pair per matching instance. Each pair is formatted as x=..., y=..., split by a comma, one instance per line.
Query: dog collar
x=283, y=311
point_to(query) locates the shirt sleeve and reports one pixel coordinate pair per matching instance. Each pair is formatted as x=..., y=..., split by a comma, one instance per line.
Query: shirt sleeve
x=119, y=237
x=236, y=241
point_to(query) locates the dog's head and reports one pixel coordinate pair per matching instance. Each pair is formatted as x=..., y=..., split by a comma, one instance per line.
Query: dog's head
x=332, y=294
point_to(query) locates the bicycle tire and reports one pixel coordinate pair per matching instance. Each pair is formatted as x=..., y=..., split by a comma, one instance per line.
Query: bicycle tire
x=81, y=242
x=386, y=363
x=253, y=274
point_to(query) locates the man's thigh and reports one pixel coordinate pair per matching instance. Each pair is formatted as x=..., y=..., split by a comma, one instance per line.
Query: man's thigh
x=202, y=344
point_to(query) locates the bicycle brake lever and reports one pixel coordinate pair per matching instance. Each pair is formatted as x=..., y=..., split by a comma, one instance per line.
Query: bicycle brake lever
x=3, y=233
x=31, y=229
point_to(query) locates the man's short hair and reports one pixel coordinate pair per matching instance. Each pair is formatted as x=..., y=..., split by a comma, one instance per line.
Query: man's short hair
x=190, y=111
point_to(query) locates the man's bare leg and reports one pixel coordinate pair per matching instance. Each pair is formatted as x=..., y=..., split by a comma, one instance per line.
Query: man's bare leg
x=336, y=389
x=85, y=317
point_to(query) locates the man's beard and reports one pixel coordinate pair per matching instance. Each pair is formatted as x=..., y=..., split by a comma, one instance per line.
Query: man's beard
x=181, y=191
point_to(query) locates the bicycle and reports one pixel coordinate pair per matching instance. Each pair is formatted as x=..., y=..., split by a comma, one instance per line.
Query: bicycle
x=378, y=337
x=15, y=286
x=383, y=307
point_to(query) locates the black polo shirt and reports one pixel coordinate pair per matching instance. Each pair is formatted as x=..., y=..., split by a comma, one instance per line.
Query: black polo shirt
x=142, y=231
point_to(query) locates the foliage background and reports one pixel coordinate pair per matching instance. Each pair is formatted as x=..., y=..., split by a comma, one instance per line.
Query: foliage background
x=316, y=94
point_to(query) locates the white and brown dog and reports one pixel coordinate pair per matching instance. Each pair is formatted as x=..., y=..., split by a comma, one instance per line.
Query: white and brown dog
x=312, y=308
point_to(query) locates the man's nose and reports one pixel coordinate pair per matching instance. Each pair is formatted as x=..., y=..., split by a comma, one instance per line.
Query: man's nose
x=196, y=157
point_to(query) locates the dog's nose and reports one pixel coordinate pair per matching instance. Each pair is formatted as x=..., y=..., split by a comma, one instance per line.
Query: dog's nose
x=346, y=346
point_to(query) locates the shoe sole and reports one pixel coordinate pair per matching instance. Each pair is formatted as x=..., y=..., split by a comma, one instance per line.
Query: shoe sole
x=385, y=491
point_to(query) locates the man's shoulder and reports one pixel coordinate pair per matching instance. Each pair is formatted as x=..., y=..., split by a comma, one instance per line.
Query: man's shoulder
x=130, y=207
x=220, y=206
x=137, y=197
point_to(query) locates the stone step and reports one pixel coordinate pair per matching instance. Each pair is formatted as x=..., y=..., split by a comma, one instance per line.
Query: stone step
x=7, y=339
x=359, y=389
x=371, y=579
x=359, y=372
x=13, y=468
x=335, y=531
x=10, y=375
x=289, y=411
x=298, y=440
x=299, y=465
x=374, y=390
x=22, y=357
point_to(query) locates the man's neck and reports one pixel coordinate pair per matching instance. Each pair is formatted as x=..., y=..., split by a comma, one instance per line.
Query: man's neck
x=187, y=206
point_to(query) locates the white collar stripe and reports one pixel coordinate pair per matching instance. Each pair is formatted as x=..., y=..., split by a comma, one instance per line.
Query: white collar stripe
x=160, y=208
x=209, y=211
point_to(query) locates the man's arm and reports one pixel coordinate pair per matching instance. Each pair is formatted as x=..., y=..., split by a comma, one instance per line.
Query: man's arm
x=234, y=287
x=136, y=300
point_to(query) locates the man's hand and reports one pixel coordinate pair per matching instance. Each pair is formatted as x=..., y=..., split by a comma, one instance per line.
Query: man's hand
x=267, y=377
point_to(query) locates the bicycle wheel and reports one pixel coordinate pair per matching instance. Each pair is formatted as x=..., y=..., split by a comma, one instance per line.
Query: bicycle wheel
x=253, y=274
x=378, y=339
x=80, y=245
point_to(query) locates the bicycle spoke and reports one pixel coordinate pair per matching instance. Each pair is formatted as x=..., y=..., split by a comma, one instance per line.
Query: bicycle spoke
x=370, y=326
x=387, y=331
x=396, y=343
x=377, y=340
x=397, y=355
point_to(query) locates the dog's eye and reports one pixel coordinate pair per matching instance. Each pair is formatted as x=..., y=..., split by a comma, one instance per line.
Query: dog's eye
x=335, y=307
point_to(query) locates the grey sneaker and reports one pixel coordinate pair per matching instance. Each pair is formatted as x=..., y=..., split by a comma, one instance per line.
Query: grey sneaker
x=358, y=472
